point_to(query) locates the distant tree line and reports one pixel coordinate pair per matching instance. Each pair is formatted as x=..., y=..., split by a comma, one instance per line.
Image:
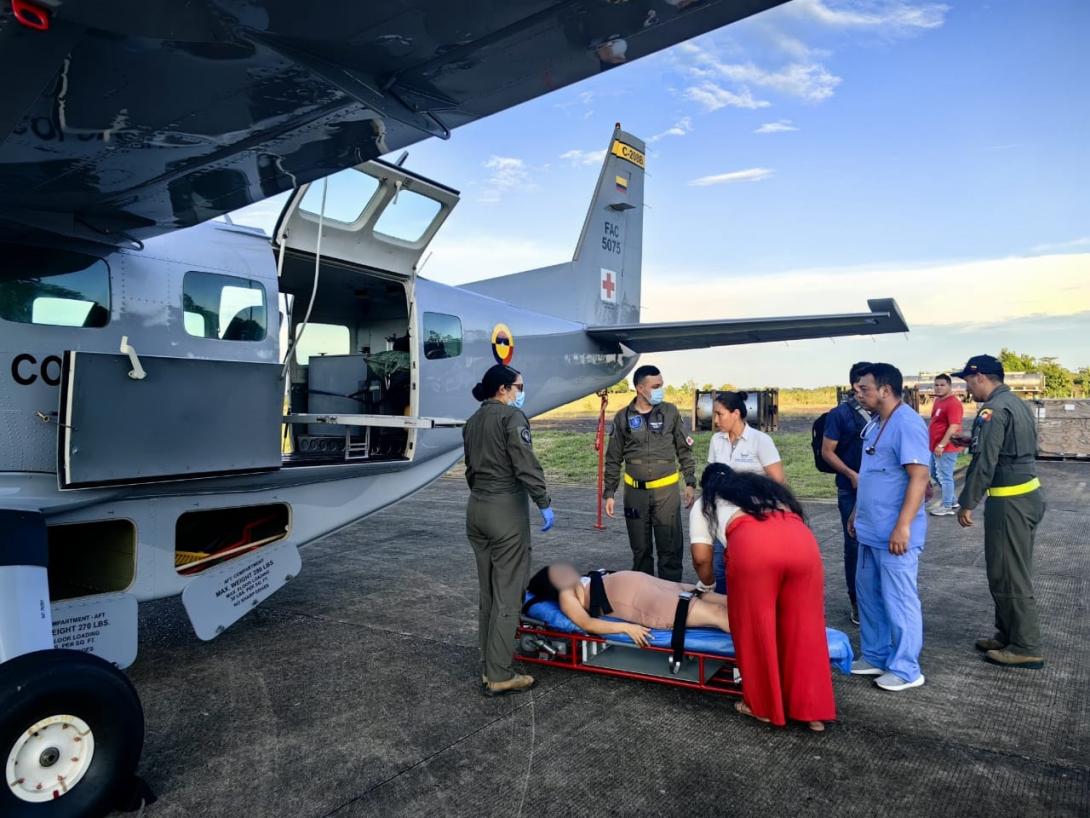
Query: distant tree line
x=1060, y=382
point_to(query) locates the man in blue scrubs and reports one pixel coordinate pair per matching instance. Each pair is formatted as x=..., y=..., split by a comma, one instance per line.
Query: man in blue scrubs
x=890, y=525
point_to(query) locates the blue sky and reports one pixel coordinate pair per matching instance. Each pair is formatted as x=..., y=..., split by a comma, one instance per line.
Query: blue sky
x=936, y=153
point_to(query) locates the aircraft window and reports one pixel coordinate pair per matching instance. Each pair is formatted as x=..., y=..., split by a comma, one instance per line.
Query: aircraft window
x=227, y=308
x=322, y=339
x=442, y=336
x=348, y=194
x=55, y=287
x=407, y=217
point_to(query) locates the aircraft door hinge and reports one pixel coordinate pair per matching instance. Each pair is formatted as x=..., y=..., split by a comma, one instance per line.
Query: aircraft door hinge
x=137, y=372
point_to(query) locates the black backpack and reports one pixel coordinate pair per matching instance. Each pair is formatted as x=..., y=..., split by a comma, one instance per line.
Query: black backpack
x=817, y=432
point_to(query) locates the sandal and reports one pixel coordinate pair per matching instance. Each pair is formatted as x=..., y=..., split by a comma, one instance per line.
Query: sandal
x=743, y=708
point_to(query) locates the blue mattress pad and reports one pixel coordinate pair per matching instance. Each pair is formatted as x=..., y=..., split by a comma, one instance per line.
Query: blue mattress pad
x=698, y=640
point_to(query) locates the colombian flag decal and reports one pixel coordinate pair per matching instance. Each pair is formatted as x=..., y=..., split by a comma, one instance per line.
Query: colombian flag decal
x=622, y=184
x=503, y=344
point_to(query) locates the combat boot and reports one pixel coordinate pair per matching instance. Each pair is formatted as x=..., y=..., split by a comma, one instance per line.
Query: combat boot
x=518, y=683
x=984, y=645
x=1006, y=658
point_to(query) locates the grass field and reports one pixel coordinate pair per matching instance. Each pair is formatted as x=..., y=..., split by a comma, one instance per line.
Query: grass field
x=569, y=457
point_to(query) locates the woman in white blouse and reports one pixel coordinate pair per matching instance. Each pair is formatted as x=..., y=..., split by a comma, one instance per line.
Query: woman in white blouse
x=744, y=449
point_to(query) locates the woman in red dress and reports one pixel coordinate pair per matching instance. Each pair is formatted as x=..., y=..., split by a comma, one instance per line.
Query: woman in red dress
x=777, y=599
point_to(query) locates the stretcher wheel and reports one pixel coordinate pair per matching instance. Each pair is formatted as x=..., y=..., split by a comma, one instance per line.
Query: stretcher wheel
x=71, y=733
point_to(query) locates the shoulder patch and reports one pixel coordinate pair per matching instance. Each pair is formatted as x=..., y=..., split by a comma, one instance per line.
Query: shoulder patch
x=525, y=434
x=985, y=414
x=689, y=440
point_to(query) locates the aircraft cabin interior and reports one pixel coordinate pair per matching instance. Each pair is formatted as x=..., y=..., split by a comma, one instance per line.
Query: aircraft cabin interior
x=355, y=353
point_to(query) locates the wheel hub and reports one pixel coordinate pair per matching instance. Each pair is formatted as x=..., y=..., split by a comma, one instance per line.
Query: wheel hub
x=49, y=758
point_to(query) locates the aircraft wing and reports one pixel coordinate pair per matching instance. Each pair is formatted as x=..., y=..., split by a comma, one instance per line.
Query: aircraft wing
x=129, y=118
x=884, y=316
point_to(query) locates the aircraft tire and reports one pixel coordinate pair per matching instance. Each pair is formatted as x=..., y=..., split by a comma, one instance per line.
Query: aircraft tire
x=89, y=728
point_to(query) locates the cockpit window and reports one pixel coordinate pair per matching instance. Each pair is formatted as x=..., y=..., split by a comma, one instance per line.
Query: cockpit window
x=407, y=216
x=54, y=287
x=228, y=308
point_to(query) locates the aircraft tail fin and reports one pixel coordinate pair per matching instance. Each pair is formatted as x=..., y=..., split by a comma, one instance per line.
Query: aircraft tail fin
x=601, y=284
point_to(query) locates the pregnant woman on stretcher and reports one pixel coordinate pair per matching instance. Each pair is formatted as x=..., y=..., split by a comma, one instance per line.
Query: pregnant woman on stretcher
x=644, y=601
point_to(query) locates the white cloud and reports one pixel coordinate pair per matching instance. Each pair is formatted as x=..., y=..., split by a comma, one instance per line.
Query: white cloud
x=679, y=128
x=1060, y=287
x=779, y=126
x=508, y=173
x=457, y=259
x=894, y=16
x=808, y=81
x=747, y=175
x=581, y=157
x=714, y=97
x=1062, y=245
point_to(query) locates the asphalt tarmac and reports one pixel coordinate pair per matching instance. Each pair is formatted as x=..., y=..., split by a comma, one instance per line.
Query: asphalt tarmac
x=354, y=692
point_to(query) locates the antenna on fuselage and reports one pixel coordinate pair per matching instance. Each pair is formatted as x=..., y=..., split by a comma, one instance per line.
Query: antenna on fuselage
x=401, y=159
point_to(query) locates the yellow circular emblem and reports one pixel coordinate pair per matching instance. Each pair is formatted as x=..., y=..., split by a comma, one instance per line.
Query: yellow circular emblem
x=503, y=344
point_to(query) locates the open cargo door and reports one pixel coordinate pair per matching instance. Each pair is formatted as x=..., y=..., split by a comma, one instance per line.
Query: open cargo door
x=377, y=215
x=118, y=429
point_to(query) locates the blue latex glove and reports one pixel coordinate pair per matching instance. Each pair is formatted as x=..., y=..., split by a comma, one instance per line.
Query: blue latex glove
x=548, y=516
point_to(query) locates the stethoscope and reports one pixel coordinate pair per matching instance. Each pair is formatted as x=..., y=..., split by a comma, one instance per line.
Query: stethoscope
x=881, y=429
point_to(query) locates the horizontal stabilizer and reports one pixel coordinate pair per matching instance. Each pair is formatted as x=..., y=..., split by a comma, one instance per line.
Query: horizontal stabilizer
x=884, y=316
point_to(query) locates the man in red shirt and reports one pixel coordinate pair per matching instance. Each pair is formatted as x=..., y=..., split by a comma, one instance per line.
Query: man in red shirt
x=946, y=417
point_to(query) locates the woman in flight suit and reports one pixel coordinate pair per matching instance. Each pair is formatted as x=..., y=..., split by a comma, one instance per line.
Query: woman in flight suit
x=501, y=470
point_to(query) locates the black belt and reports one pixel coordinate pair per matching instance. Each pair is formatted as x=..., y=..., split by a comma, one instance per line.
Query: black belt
x=677, y=635
x=599, y=602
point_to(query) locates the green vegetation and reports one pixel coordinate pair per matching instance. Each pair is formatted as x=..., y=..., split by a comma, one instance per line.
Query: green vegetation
x=569, y=457
x=1060, y=382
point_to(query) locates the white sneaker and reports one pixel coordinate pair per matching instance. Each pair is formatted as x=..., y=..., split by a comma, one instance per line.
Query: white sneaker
x=942, y=511
x=894, y=683
x=861, y=667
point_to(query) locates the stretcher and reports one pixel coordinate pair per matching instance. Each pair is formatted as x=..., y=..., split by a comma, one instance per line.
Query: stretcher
x=547, y=637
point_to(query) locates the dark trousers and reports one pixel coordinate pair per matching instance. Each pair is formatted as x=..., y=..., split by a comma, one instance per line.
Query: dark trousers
x=845, y=501
x=1010, y=524
x=498, y=528
x=653, y=517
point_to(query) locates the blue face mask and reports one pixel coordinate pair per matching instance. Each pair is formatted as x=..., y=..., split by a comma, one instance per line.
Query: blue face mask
x=657, y=396
x=520, y=399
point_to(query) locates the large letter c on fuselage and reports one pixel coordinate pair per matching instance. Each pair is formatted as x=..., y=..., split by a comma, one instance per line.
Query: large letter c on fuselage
x=25, y=380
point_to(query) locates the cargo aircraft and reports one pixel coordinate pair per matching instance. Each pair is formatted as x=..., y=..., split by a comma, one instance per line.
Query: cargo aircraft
x=185, y=401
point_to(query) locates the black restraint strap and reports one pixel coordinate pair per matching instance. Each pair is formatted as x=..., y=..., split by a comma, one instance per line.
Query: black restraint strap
x=599, y=602
x=677, y=635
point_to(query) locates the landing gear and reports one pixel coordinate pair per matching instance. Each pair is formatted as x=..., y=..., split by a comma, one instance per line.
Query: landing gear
x=71, y=732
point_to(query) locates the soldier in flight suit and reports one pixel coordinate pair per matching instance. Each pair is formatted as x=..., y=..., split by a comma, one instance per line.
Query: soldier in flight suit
x=647, y=436
x=501, y=470
x=1004, y=449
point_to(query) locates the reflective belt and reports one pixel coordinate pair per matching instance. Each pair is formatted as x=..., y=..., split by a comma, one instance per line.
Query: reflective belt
x=1014, y=491
x=652, y=484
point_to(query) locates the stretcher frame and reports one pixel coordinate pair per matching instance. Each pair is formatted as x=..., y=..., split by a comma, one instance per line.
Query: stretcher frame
x=584, y=649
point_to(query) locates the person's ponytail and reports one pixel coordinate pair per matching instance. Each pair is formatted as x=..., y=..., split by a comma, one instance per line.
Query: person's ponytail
x=733, y=402
x=496, y=376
